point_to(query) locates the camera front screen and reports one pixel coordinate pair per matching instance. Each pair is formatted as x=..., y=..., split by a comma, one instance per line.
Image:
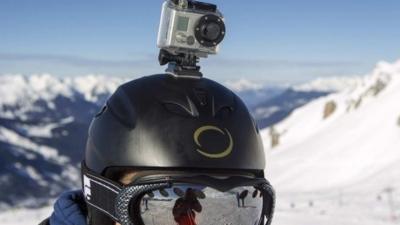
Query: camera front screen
x=183, y=23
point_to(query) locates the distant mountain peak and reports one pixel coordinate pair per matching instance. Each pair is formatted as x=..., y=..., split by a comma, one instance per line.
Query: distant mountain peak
x=20, y=93
x=16, y=87
x=243, y=85
x=329, y=84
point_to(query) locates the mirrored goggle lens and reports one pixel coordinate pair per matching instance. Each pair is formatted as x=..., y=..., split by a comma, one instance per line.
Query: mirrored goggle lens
x=197, y=205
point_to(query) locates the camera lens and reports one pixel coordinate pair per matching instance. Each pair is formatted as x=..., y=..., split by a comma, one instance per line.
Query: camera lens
x=210, y=30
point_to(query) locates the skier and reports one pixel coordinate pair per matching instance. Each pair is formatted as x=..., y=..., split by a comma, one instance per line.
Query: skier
x=172, y=131
x=146, y=203
x=238, y=199
x=242, y=196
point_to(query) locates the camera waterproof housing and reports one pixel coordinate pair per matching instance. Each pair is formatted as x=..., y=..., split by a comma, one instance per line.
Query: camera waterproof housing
x=188, y=30
x=190, y=27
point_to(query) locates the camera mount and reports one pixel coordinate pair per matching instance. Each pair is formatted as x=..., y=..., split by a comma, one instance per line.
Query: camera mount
x=183, y=64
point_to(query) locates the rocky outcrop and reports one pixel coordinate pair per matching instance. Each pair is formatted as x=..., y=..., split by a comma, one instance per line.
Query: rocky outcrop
x=275, y=136
x=374, y=90
x=378, y=87
x=398, y=121
x=329, y=109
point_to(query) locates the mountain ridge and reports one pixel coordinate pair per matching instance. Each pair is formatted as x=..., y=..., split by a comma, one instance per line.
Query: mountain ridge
x=360, y=112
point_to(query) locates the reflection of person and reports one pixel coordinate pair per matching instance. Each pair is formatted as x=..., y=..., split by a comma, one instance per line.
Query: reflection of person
x=238, y=199
x=185, y=207
x=242, y=196
x=146, y=203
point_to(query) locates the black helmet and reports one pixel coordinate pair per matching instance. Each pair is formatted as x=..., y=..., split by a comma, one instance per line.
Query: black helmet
x=162, y=122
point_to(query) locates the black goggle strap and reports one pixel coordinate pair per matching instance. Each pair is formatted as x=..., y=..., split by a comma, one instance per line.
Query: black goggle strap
x=269, y=202
x=100, y=193
x=111, y=198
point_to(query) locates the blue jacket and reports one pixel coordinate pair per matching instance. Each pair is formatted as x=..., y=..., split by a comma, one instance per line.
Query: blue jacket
x=69, y=209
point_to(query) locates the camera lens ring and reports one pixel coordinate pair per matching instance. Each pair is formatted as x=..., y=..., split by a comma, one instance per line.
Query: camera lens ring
x=211, y=23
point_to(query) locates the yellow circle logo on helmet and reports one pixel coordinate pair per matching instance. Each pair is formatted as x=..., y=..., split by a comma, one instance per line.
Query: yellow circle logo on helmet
x=222, y=153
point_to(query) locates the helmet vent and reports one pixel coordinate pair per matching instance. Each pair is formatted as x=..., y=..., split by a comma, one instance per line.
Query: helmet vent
x=184, y=110
x=223, y=112
x=201, y=96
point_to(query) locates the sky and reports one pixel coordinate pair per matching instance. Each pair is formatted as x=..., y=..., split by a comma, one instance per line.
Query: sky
x=267, y=41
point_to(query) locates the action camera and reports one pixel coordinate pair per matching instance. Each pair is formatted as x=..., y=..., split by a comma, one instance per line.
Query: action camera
x=190, y=27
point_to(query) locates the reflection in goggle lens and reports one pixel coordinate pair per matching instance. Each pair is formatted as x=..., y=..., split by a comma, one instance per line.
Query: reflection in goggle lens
x=198, y=205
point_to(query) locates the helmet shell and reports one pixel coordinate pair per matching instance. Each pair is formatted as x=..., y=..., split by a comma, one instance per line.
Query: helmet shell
x=166, y=122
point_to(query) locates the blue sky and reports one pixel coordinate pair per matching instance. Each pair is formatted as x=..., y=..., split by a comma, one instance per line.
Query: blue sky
x=269, y=41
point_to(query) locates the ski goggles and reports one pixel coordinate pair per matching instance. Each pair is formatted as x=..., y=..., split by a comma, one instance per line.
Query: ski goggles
x=173, y=198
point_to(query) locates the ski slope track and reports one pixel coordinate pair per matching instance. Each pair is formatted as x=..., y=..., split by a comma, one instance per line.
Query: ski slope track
x=337, y=160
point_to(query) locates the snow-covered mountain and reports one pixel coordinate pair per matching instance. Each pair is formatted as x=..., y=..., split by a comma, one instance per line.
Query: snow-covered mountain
x=270, y=111
x=337, y=159
x=270, y=104
x=43, y=126
x=21, y=94
x=252, y=92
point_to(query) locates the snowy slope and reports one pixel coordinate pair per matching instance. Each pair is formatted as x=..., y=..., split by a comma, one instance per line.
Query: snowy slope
x=344, y=168
x=270, y=104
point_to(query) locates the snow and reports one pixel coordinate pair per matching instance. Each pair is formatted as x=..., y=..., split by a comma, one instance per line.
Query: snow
x=72, y=174
x=16, y=87
x=45, y=130
x=265, y=112
x=243, y=85
x=330, y=84
x=14, y=138
x=36, y=176
x=344, y=164
x=21, y=92
x=23, y=89
x=25, y=216
x=31, y=172
x=91, y=86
